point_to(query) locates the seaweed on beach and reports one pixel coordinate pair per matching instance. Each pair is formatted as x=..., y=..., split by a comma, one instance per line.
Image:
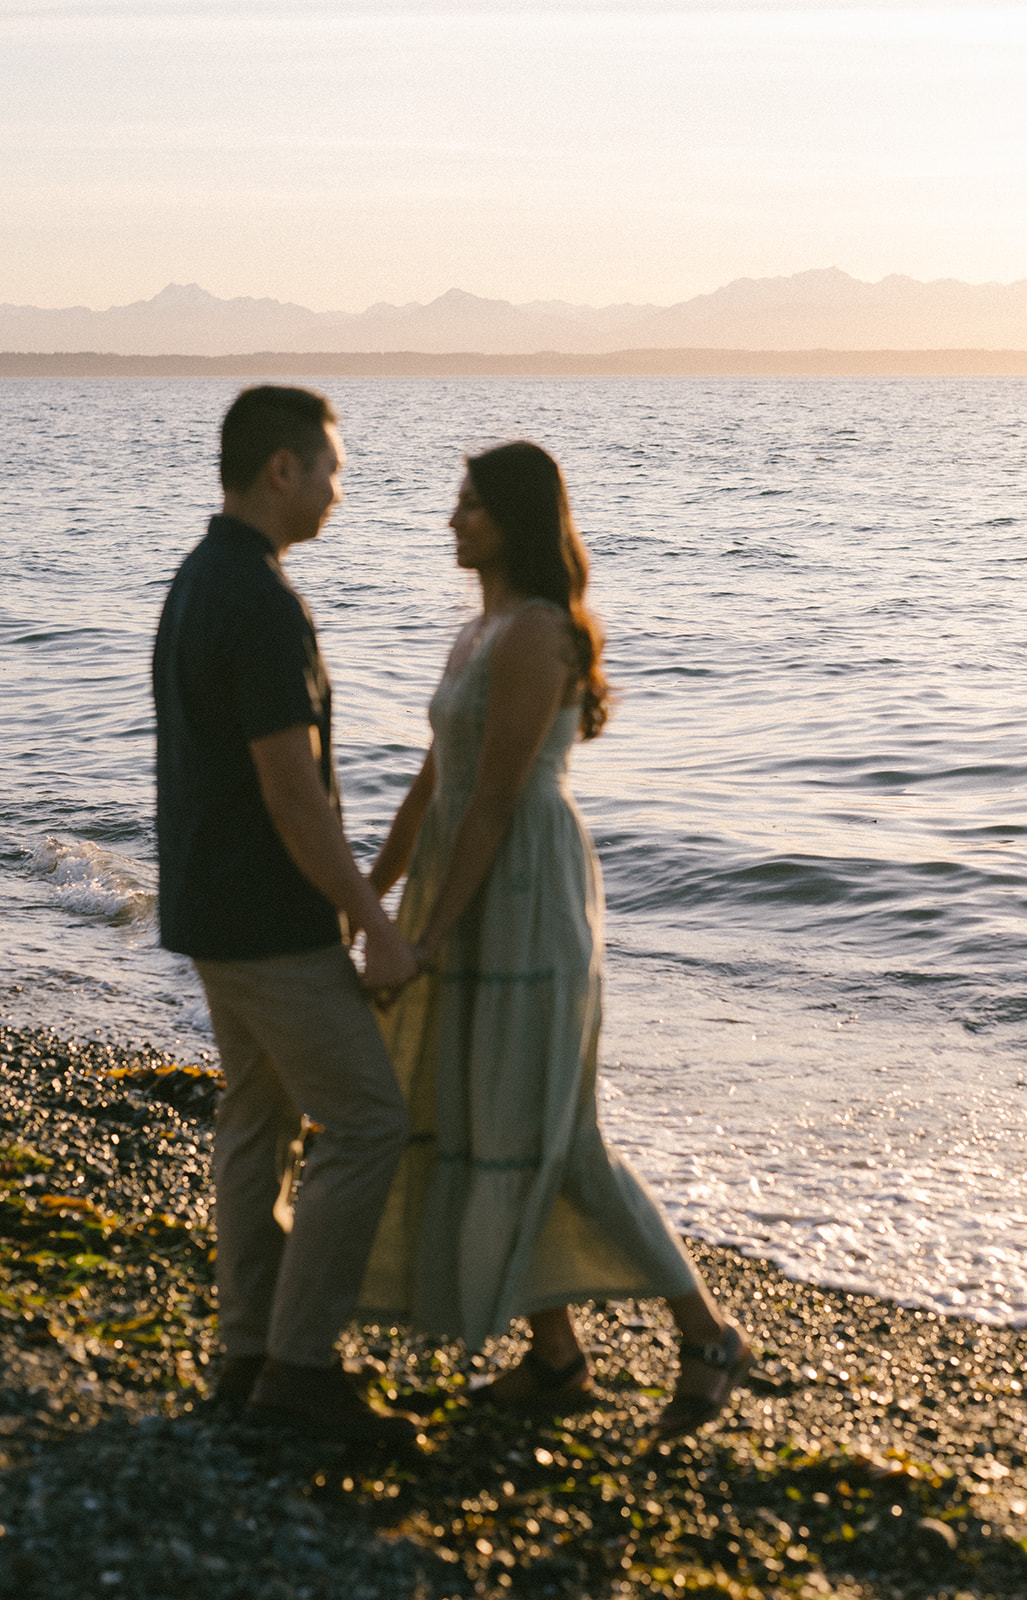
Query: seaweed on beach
x=877, y=1453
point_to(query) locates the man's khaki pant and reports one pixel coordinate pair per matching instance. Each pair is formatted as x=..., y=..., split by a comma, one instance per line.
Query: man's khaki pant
x=296, y=1035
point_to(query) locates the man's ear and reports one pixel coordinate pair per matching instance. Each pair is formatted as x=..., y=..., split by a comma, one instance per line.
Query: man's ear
x=280, y=470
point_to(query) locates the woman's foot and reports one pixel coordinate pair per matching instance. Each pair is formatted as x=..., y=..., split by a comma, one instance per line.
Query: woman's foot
x=533, y=1386
x=709, y=1374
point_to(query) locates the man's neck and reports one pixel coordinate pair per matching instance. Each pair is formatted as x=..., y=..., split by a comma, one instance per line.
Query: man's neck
x=256, y=513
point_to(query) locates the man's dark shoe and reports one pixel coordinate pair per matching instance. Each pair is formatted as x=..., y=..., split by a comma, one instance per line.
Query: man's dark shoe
x=322, y=1403
x=236, y=1378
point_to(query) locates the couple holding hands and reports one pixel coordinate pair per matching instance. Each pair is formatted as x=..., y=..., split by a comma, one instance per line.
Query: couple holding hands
x=458, y=1177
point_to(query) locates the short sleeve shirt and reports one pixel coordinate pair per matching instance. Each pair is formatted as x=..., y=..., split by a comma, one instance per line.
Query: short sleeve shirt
x=236, y=658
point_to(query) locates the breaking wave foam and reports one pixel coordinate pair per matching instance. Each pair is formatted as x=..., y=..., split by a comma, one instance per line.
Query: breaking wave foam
x=91, y=881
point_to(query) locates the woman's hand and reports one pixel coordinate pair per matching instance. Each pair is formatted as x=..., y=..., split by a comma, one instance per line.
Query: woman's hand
x=426, y=957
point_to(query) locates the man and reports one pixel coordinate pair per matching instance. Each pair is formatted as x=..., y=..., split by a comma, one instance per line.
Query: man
x=254, y=873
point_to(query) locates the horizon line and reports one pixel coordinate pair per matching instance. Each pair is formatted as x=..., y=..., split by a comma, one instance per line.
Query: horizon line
x=692, y=361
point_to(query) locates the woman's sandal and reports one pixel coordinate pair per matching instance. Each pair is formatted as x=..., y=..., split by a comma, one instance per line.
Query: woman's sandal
x=688, y=1411
x=549, y=1389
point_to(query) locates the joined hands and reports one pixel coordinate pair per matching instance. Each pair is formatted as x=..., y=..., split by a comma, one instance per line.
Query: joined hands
x=387, y=971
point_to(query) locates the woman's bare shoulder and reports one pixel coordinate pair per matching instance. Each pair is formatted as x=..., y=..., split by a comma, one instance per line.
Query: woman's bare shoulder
x=537, y=622
x=536, y=635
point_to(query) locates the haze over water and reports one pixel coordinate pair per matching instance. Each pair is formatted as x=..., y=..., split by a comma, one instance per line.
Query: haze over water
x=809, y=806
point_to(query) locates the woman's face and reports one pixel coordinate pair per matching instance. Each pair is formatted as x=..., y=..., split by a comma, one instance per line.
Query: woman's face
x=479, y=539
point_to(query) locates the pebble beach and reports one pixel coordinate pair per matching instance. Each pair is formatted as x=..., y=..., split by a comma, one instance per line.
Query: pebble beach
x=876, y=1453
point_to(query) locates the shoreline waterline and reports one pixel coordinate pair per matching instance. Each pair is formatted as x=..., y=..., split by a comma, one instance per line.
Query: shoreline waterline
x=196, y=1077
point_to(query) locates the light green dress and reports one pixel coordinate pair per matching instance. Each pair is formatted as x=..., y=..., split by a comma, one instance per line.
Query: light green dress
x=508, y=1200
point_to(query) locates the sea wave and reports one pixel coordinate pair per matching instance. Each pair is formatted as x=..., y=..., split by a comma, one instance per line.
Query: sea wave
x=90, y=880
x=941, y=901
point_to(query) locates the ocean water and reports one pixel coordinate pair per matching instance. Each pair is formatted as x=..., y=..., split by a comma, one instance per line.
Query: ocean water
x=809, y=805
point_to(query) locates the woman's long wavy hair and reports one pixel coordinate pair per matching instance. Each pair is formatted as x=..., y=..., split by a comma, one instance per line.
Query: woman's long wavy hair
x=522, y=490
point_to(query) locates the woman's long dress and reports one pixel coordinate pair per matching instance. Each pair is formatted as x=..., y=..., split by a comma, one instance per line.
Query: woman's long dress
x=508, y=1200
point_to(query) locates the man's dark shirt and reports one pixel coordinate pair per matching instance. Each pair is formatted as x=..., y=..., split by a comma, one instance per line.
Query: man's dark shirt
x=236, y=658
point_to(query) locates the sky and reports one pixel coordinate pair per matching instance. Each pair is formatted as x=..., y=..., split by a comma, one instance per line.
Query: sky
x=338, y=154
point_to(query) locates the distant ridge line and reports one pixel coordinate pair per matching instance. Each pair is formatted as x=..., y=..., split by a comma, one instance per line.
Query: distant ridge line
x=687, y=363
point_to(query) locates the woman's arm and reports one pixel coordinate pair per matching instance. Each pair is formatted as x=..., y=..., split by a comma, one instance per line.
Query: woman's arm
x=394, y=855
x=532, y=669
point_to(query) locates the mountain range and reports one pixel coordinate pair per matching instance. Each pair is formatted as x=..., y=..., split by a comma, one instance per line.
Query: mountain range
x=816, y=310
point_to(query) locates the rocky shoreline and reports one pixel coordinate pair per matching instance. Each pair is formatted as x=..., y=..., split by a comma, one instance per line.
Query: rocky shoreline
x=877, y=1454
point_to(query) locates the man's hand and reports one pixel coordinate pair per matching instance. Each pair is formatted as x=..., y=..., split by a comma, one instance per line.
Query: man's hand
x=389, y=963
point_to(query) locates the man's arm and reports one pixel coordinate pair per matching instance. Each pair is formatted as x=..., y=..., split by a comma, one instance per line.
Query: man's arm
x=298, y=805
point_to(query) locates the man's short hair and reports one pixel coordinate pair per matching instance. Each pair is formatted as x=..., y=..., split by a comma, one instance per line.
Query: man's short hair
x=265, y=419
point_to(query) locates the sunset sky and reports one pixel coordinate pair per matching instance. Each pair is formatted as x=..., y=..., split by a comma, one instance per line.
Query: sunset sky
x=338, y=154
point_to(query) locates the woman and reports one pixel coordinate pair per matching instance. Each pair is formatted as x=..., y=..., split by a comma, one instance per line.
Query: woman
x=509, y=1202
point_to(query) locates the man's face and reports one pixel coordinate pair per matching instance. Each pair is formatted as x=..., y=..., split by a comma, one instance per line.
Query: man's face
x=313, y=491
